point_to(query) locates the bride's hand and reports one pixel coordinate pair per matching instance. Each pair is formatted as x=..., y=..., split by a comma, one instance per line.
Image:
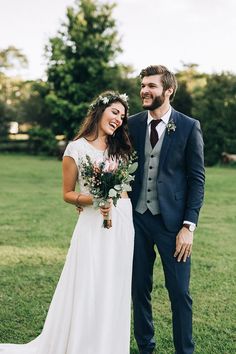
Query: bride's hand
x=79, y=209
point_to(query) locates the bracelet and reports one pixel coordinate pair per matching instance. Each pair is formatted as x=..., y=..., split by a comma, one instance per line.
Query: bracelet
x=77, y=204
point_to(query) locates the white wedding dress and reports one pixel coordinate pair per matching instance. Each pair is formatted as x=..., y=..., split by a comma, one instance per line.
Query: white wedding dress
x=90, y=309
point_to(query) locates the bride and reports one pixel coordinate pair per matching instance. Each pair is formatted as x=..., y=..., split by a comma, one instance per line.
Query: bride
x=90, y=309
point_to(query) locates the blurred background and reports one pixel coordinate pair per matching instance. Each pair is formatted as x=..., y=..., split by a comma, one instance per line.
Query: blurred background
x=55, y=56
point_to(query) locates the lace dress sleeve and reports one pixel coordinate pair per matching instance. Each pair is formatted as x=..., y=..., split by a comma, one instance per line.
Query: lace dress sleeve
x=72, y=152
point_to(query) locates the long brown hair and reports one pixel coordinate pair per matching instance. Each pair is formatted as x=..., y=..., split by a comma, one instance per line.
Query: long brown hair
x=118, y=143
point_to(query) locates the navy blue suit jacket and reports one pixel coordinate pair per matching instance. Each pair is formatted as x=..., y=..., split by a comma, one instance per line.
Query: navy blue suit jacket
x=181, y=177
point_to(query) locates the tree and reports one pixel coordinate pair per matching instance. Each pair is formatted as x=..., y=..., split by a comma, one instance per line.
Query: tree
x=183, y=100
x=216, y=107
x=4, y=121
x=190, y=85
x=9, y=89
x=10, y=58
x=32, y=107
x=122, y=79
x=81, y=62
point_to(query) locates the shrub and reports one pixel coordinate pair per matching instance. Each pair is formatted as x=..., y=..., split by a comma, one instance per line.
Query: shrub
x=42, y=141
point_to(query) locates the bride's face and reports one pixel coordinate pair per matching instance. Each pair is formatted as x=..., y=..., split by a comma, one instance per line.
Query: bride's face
x=111, y=119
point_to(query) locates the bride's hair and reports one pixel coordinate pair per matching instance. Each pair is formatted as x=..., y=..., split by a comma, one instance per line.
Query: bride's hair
x=118, y=143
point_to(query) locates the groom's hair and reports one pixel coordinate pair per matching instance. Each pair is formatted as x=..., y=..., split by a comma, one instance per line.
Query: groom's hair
x=168, y=79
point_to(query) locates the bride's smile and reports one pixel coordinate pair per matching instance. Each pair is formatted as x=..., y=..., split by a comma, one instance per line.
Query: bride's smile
x=112, y=119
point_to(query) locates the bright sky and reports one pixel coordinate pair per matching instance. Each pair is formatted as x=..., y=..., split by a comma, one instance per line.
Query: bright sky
x=153, y=32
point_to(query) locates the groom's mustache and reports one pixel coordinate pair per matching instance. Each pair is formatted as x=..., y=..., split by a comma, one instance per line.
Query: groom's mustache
x=146, y=96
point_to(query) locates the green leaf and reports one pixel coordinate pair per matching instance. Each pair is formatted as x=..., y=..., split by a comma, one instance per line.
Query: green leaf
x=129, y=179
x=127, y=188
x=133, y=167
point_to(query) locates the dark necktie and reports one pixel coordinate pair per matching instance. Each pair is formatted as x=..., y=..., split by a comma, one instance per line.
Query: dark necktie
x=154, y=135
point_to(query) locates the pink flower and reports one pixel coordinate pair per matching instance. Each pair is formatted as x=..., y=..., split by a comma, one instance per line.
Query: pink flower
x=111, y=165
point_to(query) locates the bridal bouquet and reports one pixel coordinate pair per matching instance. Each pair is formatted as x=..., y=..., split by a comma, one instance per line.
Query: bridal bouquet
x=107, y=179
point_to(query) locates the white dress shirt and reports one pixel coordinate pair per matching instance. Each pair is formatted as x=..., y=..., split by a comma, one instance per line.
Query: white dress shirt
x=161, y=127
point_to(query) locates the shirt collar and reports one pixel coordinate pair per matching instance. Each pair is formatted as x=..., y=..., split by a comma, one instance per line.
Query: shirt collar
x=165, y=118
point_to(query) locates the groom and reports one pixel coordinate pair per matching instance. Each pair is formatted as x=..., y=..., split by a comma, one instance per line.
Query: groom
x=167, y=196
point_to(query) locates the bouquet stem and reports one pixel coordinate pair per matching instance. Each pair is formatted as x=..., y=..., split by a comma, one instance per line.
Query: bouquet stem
x=107, y=221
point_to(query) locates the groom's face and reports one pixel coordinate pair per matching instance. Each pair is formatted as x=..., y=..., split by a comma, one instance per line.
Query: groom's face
x=152, y=92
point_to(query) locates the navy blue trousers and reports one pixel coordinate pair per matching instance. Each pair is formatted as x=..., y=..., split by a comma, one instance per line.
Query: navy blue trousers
x=150, y=231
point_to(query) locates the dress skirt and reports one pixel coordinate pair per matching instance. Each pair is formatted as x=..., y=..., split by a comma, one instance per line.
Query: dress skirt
x=90, y=309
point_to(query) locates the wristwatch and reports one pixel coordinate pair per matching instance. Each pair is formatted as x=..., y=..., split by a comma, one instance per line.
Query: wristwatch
x=190, y=227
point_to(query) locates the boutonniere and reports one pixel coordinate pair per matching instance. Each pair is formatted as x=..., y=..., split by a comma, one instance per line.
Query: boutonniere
x=170, y=126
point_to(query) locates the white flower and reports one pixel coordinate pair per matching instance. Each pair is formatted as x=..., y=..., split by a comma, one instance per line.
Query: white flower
x=105, y=100
x=124, y=97
x=171, y=127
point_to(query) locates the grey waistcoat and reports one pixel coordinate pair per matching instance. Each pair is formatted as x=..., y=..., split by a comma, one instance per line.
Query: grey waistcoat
x=149, y=195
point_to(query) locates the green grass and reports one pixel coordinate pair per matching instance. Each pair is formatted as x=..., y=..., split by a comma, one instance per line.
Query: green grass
x=35, y=230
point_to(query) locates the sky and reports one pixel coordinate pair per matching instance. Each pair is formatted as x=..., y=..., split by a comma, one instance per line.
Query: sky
x=170, y=32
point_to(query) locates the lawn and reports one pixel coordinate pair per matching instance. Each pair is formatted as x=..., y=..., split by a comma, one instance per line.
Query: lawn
x=35, y=230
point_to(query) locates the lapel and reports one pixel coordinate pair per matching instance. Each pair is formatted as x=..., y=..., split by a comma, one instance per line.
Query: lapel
x=168, y=138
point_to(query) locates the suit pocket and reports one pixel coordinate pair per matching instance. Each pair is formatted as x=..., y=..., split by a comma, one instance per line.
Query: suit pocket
x=179, y=195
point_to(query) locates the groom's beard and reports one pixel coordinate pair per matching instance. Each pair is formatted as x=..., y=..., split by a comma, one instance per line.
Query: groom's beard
x=156, y=103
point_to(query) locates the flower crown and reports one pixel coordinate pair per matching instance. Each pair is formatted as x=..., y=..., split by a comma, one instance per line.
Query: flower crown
x=109, y=98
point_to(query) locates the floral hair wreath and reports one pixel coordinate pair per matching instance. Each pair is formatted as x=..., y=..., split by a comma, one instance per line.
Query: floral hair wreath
x=109, y=98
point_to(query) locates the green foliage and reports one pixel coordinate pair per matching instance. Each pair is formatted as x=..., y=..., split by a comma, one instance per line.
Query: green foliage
x=16, y=96
x=80, y=62
x=32, y=106
x=4, y=120
x=216, y=108
x=183, y=100
x=190, y=83
x=18, y=146
x=42, y=141
x=12, y=57
x=9, y=89
x=33, y=251
x=211, y=99
x=120, y=78
x=20, y=101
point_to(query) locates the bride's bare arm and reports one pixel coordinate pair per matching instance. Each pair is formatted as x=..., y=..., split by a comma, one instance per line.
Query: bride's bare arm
x=70, y=175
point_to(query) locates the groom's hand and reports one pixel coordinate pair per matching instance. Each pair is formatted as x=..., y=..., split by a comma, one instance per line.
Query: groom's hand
x=184, y=244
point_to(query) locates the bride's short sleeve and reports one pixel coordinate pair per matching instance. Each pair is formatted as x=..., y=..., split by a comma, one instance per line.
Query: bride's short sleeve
x=72, y=151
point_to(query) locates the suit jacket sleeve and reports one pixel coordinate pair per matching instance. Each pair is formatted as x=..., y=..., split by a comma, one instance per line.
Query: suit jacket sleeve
x=195, y=173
